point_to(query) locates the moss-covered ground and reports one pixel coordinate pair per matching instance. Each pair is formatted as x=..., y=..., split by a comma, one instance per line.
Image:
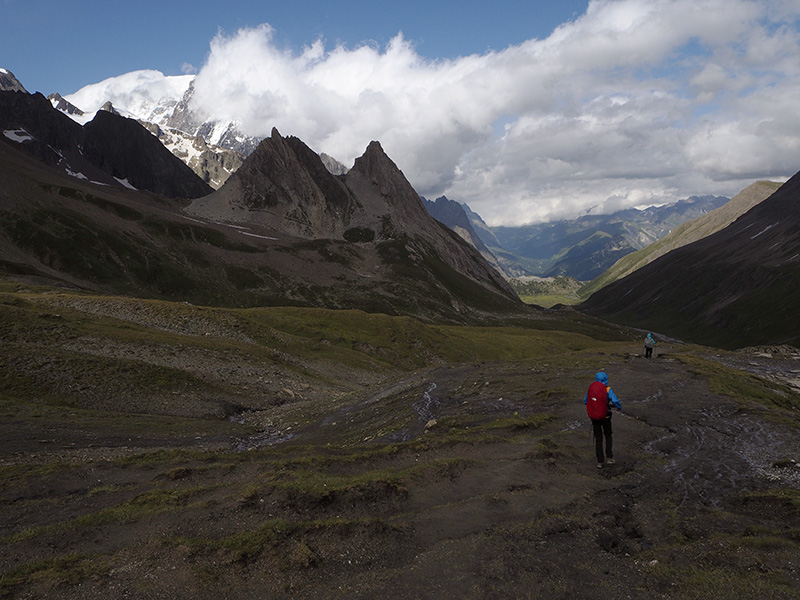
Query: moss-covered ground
x=151, y=449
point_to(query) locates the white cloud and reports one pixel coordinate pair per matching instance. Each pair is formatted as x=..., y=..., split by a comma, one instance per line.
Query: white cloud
x=634, y=102
x=138, y=92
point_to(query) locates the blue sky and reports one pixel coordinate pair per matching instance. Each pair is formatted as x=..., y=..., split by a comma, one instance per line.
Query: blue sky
x=528, y=111
x=61, y=46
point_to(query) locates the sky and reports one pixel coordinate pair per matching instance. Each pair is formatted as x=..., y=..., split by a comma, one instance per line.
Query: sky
x=527, y=111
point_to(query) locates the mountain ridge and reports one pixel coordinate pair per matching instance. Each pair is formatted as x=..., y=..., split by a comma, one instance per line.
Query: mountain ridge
x=283, y=188
x=362, y=240
x=731, y=289
x=685, y=233
x=583, y=248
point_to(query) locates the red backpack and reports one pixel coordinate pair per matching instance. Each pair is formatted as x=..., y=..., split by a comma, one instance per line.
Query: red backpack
x=597, y=401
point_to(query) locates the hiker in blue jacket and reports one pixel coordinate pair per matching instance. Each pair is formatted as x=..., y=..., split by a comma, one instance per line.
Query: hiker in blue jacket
x=601, y=421
x=649, y=344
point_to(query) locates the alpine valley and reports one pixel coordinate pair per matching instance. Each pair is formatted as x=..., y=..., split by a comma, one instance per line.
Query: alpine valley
x=282, y=230
x=581, y=249
x=235, y=368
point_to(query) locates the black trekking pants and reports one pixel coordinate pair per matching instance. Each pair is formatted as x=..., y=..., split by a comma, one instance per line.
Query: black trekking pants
x=601, y=428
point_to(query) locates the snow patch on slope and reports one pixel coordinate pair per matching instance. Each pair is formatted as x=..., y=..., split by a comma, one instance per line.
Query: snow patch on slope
x=18, y=135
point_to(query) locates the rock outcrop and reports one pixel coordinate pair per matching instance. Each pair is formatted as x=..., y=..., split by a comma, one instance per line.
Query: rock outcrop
x=9, y=83
x=283, y=188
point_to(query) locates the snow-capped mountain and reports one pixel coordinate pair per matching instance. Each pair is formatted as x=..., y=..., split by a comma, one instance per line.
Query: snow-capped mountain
x=212, y=163
x=109, y=150
x=144, y=95
x=224, y=133
x=162, y=104
x=166, y=101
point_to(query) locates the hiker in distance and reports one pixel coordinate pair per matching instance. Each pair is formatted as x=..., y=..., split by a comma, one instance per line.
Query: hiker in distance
x=649, y=344
x=599, y=400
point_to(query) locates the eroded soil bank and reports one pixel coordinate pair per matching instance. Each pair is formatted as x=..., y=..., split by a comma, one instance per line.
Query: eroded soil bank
x=488, y=489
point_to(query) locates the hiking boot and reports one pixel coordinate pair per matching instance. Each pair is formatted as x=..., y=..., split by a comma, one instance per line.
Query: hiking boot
x=599, y=465
x=611, y=461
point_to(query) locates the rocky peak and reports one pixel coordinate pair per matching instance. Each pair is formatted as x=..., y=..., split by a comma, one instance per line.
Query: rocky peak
x=224, y=135
x=283, y=186
x=59, y=103
x=108, y=107
x=333, y=165
x=377, y=165
x=9, y=83
x=385, y=192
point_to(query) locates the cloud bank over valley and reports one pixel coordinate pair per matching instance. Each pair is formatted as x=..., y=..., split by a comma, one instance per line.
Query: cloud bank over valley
x=632, y=103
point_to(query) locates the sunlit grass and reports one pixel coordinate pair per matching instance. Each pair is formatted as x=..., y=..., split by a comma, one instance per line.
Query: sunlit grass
x=741, y=386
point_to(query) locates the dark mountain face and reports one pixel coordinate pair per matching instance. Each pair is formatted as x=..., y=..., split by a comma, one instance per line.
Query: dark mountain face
x=371, y=249
x=108, y=150
x=127, y=151
x=454, y=215
x=49, y=131
x=734, y=288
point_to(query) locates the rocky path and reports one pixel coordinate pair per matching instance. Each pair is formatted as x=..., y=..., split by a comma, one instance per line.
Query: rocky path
x=490, y=490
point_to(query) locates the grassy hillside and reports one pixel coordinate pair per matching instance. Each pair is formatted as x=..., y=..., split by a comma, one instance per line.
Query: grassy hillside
x=104, y=353
x=547, y=291
x=160, y=449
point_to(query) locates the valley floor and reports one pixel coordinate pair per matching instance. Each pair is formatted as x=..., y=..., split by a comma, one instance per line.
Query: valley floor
x=489, y=490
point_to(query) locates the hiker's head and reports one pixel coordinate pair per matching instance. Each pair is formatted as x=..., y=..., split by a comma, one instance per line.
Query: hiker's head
x=601, y=377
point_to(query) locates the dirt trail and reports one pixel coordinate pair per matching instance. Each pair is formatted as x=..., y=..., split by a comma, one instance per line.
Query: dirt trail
x=695, y=506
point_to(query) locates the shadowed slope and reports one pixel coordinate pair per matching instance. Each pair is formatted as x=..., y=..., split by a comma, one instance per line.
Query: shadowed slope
x=60, y=229
x=734, y=288
x=684, y=234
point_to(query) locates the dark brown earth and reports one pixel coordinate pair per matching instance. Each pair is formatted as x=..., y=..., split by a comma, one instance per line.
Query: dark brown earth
x=491, y=491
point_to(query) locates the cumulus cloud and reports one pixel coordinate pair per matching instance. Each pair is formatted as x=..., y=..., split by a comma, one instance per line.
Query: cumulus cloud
x=634, y=102
x=139, y=92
